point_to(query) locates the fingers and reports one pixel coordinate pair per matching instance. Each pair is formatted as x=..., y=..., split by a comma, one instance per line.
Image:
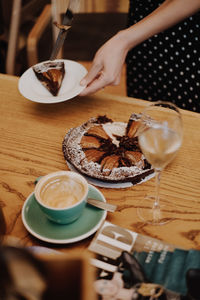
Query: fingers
x=91, y=75
x=97, y=84
x=100, y=82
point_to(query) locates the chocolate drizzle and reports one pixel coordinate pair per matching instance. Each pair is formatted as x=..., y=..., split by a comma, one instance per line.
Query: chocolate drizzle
x=103, y=120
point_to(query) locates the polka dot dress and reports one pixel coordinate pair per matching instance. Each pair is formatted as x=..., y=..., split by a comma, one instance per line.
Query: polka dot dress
x=166, y=66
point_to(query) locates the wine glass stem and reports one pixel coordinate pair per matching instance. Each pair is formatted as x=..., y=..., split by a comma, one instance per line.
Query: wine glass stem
x=156, y=205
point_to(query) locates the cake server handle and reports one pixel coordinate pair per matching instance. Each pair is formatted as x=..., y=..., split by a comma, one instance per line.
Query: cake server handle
x=67, y=20
x=103, y=205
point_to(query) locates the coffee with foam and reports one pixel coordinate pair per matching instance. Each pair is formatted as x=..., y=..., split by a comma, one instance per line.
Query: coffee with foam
x=62, y=196
x=62, y=192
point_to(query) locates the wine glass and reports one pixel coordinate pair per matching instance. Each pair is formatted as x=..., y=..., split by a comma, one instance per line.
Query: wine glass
x=160, y=138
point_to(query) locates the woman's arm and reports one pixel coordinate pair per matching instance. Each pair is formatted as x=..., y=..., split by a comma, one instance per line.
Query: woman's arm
x=109, y=59
x=165, y=16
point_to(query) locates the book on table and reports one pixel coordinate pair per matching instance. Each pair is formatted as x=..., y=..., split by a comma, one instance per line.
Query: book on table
x=162, y=264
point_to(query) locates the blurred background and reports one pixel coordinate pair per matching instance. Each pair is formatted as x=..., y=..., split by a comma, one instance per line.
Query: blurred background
x=27, y=33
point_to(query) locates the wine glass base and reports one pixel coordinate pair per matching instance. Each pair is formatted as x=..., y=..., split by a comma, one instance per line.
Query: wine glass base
x=159, y=216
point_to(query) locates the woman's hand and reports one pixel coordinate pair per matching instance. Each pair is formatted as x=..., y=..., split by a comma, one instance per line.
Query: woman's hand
x=107, y=65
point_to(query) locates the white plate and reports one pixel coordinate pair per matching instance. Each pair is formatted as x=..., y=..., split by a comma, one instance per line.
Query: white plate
x=31, y=88
x=110, y=185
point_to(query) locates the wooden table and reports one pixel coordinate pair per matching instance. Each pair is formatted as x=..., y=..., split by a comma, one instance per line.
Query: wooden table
x=31, y=145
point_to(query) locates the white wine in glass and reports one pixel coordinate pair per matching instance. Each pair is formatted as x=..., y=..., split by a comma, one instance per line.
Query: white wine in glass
x=160, y=138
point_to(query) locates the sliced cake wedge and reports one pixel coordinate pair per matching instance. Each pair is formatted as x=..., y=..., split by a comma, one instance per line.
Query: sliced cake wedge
x=50, y=74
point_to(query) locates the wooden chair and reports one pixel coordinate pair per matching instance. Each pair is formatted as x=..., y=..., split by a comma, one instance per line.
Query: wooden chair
x=21, y=11
x=52, y=12
x=56, y=9
x=36, y=33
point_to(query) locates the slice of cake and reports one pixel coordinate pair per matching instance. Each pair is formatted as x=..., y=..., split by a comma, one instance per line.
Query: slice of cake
x=51, y=75
x=107, y=150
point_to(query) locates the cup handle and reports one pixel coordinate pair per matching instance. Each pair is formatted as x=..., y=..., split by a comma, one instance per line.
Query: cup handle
x=37, y=179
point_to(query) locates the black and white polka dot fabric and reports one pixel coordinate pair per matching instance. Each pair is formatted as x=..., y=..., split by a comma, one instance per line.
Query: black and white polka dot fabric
x=166, y=66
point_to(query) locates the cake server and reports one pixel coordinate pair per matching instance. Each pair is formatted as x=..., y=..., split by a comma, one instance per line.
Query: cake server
x=102, y=205
x=67, y=21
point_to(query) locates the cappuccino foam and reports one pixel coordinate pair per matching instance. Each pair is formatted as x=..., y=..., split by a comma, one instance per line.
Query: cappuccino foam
x=62, y=192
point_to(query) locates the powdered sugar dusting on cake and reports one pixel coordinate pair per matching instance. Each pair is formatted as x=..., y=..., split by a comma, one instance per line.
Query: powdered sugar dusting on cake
x=74, y=153
x=44, y=67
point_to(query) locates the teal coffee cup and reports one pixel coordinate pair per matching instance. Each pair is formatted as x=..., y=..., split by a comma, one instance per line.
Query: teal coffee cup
x=62, y=196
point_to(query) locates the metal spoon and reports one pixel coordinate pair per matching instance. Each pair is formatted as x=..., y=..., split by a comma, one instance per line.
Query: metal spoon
x=102, y=205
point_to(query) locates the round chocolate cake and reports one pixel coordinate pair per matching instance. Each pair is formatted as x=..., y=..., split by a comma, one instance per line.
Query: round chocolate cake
x=107, y=150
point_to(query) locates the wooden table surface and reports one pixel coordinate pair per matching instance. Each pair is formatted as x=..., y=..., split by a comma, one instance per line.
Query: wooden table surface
x=31, y=136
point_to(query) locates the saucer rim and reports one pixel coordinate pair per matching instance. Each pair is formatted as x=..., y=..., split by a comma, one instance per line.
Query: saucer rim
x=63, y=241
